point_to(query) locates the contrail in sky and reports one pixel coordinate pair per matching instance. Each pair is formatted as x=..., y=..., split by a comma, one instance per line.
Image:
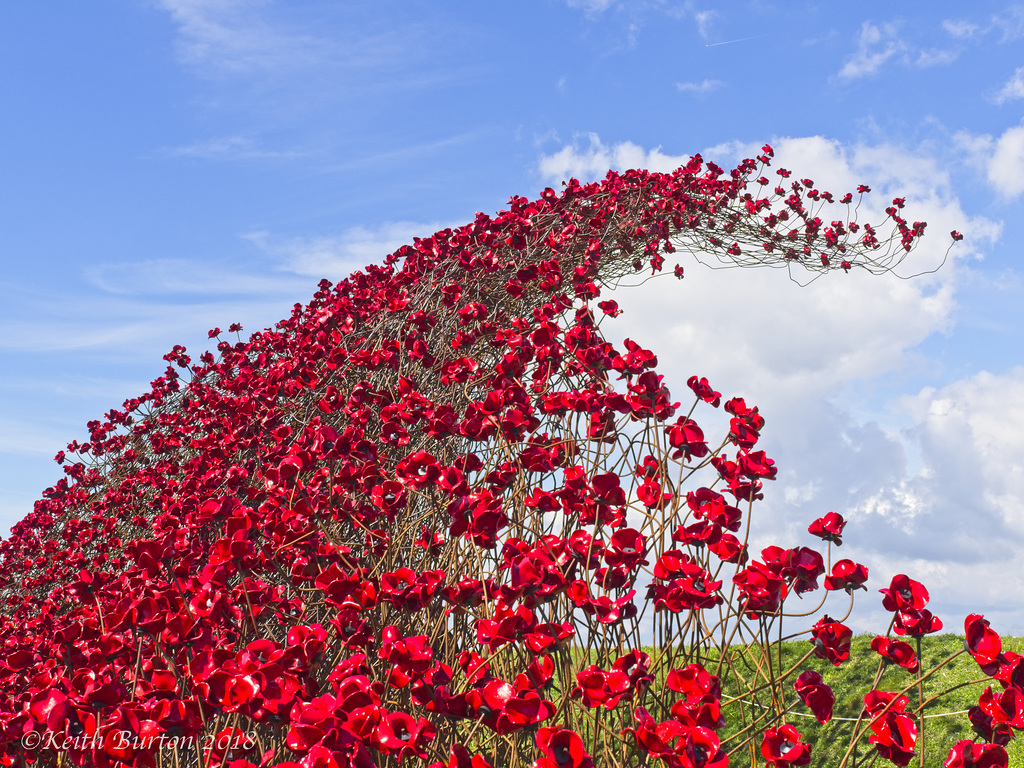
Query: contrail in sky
x=741, y=40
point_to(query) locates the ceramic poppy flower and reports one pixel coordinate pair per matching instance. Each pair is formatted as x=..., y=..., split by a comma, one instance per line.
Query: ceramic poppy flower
x=967, y=754
x=829, y=528
x=817, y=696
x=781, y=747
x=915, y=623
x=896, y=651
x=904, y=594
x=983, y=643
x=847, y=575
x=561, y=748
x=895, y=737
x=700, y=748
x=831, y=640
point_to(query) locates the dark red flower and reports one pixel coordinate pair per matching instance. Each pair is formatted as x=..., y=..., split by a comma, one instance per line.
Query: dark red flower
x=830, y=528
x=781, y=747
x=896, y=651
x=983, y=643
x=600, y=688
x=460, y=758
x=967, y=754
x=904, y=594
x=699, y=748
x=1005, y=707
x=703, y=390
x=401, y=734
x=916, y=623
x=817, y=696
x=831, y=640
x=763, y=590
x=562, y=748
x=847, y=575
x=894, y=735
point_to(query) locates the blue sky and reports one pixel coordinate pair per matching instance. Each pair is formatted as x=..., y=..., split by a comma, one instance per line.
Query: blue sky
x=170, y=166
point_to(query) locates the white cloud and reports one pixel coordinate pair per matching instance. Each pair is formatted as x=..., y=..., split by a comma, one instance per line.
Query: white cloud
x=932, y=57
x=963, y=510
x=228, y=148
x=1002, y=158
x=704, y=86
x=960, y=28
x=876, y=45
x=233, y=36
x=597, y=159
x=591, y=6
x=336, y=256
x=1010, y=23
x=704, y=21
x=1006, y=169
x=1013, y=89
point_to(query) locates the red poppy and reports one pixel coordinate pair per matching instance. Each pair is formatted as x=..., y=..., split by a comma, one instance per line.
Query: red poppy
x=967, y=754
x=894, y=735
x=847, y=575
x=703, y=390
x=831, y=640
x=983, y=643
x=781, y=747
x=401, y=734
x=915, y=623
x=817, y=696
x=1005, y=707
x=904, y=594
x=699, y=748
x=830, y=528
x=896, y=651
x=459, y=757
x=600, y=688
x=562, y=748
x=763, y=590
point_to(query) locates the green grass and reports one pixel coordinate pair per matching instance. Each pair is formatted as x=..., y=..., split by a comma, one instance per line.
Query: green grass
x=945, y=723
x=854, y=678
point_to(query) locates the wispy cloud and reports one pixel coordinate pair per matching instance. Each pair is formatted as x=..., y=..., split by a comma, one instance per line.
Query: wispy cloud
x=704, y=21
x=591, y=6
x=876, y=45
x=704, y=86
x=117, y=309
x=336, y=256
x=234, y=36
x=932, y=57
x=182, y=277
x=20, y=436
x=1009, y=23
x=1012, y=90
x=880, y=44
x=229, y=148
x=307, y=57
x=961, y=29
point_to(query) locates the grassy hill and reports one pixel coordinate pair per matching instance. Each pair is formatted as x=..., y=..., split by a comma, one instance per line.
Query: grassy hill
x=853, y=679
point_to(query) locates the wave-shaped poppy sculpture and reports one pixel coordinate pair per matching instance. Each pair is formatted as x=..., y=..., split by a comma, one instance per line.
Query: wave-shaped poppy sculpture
x=436, y=518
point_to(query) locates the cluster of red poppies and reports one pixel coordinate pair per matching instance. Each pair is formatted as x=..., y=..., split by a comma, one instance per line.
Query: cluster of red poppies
x=410, y=522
